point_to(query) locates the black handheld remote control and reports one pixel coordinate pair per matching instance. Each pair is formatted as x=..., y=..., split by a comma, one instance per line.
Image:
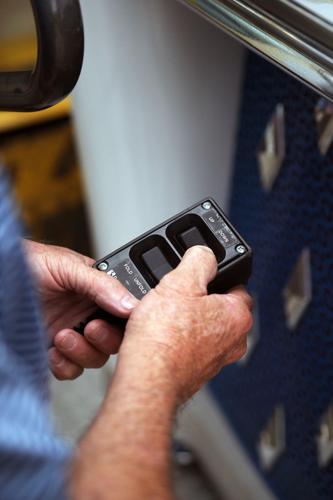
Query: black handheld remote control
x=143, y=262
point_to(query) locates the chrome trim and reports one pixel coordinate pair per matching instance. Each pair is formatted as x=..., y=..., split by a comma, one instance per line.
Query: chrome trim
x=320, y=8
x=292, y=35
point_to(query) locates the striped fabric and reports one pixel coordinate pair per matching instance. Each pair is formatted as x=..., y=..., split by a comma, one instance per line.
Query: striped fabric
x=32, y=459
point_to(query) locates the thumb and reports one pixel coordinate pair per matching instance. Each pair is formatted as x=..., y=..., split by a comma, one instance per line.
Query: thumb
x=197, y=268
x=105, y=291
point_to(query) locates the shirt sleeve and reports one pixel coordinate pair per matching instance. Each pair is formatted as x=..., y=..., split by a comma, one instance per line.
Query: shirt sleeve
x=33, y=460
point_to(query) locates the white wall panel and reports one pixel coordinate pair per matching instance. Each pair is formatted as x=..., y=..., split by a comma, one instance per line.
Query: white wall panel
x=155, y=109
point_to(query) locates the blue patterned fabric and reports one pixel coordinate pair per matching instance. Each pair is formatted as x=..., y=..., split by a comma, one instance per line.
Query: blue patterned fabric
x=32, y=459
x=289, y=368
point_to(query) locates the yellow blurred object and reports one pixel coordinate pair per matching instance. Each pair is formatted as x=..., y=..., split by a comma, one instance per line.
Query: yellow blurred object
x=38, y=150
x=22, y=54
x=44, y=168
x=43, y=160
x=18, y=53
x=13, y=121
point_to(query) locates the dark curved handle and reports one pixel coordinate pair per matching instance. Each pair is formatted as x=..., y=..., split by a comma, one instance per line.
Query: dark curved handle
x=60, y=55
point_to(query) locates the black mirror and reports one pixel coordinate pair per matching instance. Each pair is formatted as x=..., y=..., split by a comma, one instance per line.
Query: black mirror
x=60, y=43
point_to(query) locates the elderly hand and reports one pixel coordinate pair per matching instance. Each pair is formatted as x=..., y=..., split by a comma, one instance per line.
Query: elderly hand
x=175, y=340
x=70, y=291
x=182, y=331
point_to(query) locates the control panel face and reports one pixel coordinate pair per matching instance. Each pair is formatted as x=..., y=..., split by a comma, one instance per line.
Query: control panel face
x=143, y=262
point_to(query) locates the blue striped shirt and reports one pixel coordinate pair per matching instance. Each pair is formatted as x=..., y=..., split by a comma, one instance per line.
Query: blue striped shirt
x=33, y=460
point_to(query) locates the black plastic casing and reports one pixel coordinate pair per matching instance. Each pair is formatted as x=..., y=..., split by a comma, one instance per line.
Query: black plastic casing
x=60, y=37
x=233, y=268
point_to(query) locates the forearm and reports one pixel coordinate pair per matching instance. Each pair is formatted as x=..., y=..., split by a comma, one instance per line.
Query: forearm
x=127, y=450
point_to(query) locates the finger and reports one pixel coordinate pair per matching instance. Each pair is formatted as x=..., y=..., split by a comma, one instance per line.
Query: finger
x=242, y=295
x=230, y=311
x=107, y=292
x=197, y=268
x=103, y=336
x=62, y=368
x=78, y=350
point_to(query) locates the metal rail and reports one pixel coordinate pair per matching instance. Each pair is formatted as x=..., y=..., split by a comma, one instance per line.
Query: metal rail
x=291, y=35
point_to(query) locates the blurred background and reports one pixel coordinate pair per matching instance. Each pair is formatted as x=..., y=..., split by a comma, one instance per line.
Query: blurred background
x=169, y=110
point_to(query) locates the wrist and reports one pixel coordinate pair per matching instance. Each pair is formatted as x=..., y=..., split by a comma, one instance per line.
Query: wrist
x=147, y=369
x=167, y=362
x=128, y=446
x=139, y=408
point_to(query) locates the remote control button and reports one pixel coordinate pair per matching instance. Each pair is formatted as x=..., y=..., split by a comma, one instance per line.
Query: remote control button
x=156, y=263
x=191, y=237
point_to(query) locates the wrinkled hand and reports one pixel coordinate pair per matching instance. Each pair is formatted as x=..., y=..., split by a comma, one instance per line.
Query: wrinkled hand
x=178, y=326
x=70, y=291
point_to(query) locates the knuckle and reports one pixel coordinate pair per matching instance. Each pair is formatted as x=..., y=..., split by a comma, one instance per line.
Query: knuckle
x=246, y=321
x=250, y=300
x=169, y=286
x=242, y=350
x=99, y=282
x=99, y=362
x=240, y=315
x=167, y=281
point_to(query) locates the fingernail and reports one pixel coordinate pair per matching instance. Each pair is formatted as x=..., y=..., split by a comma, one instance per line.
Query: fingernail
x=129, y=302
x=97, y=334
x=67, y=341
x=206, y=249
x=199, y=247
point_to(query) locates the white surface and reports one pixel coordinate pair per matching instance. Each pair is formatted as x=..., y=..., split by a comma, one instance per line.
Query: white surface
x=16, y=20
x=156, y=109
x=76, y=402
x=203, y=426
x=321, y=8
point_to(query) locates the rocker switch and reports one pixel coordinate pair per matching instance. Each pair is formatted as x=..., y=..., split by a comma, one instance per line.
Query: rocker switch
x=156, y=263
x=191, y=237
